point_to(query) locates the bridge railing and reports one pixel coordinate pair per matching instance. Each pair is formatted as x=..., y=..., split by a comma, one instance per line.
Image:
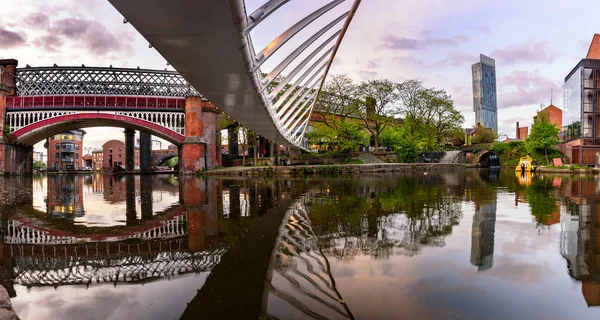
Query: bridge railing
x=94, y=102
x=101, y=81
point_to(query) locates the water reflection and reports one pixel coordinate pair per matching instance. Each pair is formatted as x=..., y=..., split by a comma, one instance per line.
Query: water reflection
x=580, y=234
x=435, y=246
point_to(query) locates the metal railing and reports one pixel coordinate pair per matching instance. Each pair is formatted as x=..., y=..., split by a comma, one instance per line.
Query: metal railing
x=101, y=81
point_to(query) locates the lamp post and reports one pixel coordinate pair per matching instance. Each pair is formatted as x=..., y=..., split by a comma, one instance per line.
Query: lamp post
x=159, y=144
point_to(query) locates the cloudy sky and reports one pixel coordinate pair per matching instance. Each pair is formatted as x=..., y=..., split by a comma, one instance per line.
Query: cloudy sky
x=535, y=44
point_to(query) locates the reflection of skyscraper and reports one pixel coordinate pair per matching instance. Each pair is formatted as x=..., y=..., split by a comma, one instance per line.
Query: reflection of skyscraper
x=484, y=93
x=580, y=236
x=482, y=235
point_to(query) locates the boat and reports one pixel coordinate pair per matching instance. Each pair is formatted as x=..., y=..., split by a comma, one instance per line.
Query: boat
x=526, y=164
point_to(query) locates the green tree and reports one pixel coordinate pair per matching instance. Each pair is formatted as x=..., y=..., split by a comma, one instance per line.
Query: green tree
x=379, y=97
x=483, y=135
x=345, y=138
x=338, y=101
x=390, y=137
x=38, y=165
x=543, y=137
x=408, y=150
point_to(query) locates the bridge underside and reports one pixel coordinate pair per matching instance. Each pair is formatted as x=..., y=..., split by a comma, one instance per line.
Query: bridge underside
x=32, y=134
x=199, y=40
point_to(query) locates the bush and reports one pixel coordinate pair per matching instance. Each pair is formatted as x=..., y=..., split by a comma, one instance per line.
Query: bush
x=408, y=151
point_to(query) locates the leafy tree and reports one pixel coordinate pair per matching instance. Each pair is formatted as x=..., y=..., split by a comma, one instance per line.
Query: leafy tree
x=543, y=137
x=411, y=101
x=38, y=165
x=457, y=137
x=345, y=138
x=338, y=101
x=483, y=135
x=390, y=137
x=379, y=97
x=444, y=119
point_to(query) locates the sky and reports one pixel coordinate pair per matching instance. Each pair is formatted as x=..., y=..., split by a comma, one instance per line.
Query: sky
x=535, y=45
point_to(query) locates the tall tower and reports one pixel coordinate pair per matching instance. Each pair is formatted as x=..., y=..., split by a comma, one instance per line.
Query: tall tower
x=484, y=92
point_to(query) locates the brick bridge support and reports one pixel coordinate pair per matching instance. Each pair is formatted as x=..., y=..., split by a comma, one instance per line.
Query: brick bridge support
x=202, y=215
x=199, y=149
x=14, y=160
x=145, y=152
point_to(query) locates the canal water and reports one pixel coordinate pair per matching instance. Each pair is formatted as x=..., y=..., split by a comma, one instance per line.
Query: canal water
x=451, y=245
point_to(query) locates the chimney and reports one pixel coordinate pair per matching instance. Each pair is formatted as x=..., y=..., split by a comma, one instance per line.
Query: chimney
x=518, y=136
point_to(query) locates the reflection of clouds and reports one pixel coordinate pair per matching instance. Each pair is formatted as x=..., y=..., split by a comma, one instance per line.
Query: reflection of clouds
x=103, y=303
x=164, y=299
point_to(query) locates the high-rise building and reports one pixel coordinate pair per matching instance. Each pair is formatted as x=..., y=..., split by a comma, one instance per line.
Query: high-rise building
x=484, y=92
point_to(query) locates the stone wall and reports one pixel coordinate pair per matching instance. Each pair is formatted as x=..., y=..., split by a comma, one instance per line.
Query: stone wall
x=15, y=160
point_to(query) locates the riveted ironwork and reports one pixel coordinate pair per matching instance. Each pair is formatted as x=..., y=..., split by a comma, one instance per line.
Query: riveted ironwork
x=101, y=81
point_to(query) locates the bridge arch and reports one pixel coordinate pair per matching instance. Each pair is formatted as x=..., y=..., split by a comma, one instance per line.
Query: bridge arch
x=35, y=132
x=489, y=159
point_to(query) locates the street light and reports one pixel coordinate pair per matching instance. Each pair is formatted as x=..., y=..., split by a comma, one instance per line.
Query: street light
x=159, y=144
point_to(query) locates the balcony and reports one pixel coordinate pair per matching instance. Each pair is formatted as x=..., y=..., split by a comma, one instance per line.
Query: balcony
x=67, y=149
x=68, y=159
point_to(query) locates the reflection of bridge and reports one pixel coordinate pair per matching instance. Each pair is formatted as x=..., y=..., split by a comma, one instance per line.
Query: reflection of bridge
x=128, y=265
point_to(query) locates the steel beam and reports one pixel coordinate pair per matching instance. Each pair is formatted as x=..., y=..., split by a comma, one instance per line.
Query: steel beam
x=262, y=13
x=291, y=32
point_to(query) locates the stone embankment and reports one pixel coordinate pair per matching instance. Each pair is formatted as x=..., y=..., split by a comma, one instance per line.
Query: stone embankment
x=6, y=310
x=298, y=171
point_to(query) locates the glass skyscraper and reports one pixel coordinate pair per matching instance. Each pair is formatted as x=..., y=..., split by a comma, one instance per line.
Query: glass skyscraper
x=484, y=92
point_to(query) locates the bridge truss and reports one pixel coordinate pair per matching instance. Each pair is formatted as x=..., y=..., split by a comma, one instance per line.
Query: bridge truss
x=217, y=56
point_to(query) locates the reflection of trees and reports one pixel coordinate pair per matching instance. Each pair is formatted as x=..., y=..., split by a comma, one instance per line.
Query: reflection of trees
x=383, y=217
x=542, y=200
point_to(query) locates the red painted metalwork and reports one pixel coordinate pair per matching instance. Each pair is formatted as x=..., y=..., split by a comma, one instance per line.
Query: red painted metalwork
x=93, y=102
x=174, y=136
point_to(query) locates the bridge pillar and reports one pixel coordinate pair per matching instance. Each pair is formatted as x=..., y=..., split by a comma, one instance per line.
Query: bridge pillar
x=232, y=140
x=129, y=149
x=192, y=153
x=209, y=133
x=145, y=152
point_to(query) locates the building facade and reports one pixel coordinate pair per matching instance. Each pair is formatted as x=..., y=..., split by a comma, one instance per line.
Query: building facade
x=581, y=117
x=97, y=159
x=484, y=93
x=113, y=155
x=65, y=150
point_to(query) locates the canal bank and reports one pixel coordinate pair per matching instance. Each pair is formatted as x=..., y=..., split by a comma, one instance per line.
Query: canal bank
x=335, y=169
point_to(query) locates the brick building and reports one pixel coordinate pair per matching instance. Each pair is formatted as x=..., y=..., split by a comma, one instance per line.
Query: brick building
x=113, y=154
x=554, y=114
x=65, y=150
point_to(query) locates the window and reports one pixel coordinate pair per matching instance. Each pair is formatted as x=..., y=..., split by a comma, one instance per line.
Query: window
x=77, y=156
x=57, y=146
x=119, y=149
x=119, y=155
x=57, y=156
x=76, y=147
x=110, y=150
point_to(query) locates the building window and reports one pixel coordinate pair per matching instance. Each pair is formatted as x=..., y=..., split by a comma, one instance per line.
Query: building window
x=76, y=147
x=119, y=155
x=57, y=146
x=77, y=156
x=57, y=155
x=119, y=149
x=110, y=150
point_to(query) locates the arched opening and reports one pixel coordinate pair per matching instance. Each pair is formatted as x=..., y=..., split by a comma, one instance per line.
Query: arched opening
x=38, y=131
x=489, y=160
